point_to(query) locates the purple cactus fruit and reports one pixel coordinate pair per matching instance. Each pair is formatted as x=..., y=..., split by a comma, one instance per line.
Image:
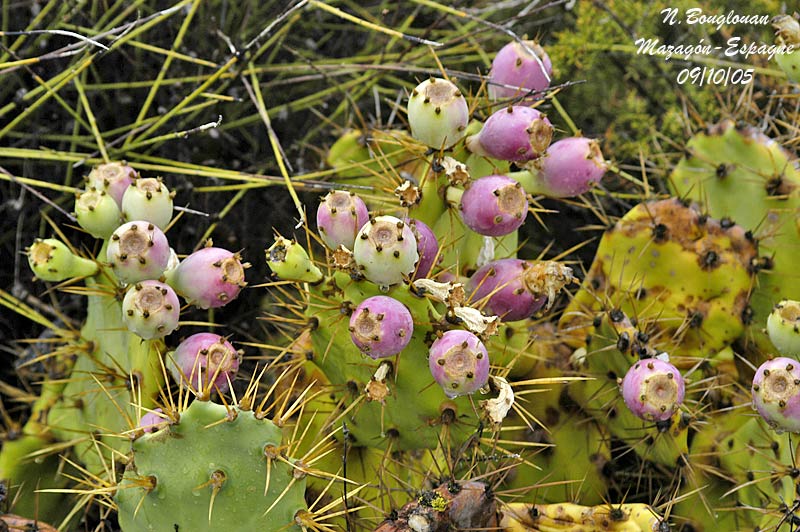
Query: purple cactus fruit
x=437, y=113
x=137, y=251
x=516, y=133
x=97, y=212
x=151, y=309
x=653, y=389
x=571, y=166
x=500, y=285
x=494, y=205
x=381, y=326
x=152, y=422
x=776, y=393
x=459, y=362
x=385, y=250
x=339, y=217
x=427, y=248
x=209, y=278
x=204, y=361
x=113, y=178
x=517, y=68
x=150, y=200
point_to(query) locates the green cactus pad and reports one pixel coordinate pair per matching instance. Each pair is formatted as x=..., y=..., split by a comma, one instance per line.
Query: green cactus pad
x=740, y=174
x=213, y=455
x=410, y=416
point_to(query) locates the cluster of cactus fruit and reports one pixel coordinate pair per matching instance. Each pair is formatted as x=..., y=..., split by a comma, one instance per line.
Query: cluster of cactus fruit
x=428, y=352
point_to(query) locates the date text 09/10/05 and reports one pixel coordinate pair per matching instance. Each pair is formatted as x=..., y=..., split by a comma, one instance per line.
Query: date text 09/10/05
x=715, y=76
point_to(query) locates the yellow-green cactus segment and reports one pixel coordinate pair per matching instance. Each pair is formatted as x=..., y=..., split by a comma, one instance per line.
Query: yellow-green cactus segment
x=26, y=475
x=209, y=472
x=570, y=468
x=359, y=156
x=574, y=448
x=414, y=411
x=382, y=478
x=754, y=452
x=745, y=176
x=121, y=370
x=685, y=277
x=735, y=454
x=460, y=246
x=758, y=459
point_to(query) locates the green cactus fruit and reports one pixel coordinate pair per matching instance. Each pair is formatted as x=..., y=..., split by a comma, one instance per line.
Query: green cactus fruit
x=151, y=309
x=683, y=274
x=741, y=174
x=97, y=212
x=787, y=31
x=783, y=327
x=386, y=250
x=218, y=468
x=290, y=261
x=52, y=260
x=437, y=113
x=150, y=200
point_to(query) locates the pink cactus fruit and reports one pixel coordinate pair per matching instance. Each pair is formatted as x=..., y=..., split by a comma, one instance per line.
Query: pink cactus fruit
x=517, y=68
x=381, y=326
x=494, y=205
x=209, y=278
x=386, y=250
x=571, y=166
x=427, y=248
x=152, y=422
x=150, y=309
x=653, y=389
x=459, y=362
x=113, y=178
x=776, y=393
x=500, y=287
x=516, y=133
x=339, y=217
x=138, y=250
x=205, y=361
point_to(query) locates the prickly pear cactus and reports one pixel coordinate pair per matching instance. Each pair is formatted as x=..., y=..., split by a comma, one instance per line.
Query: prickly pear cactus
x=215, y=468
